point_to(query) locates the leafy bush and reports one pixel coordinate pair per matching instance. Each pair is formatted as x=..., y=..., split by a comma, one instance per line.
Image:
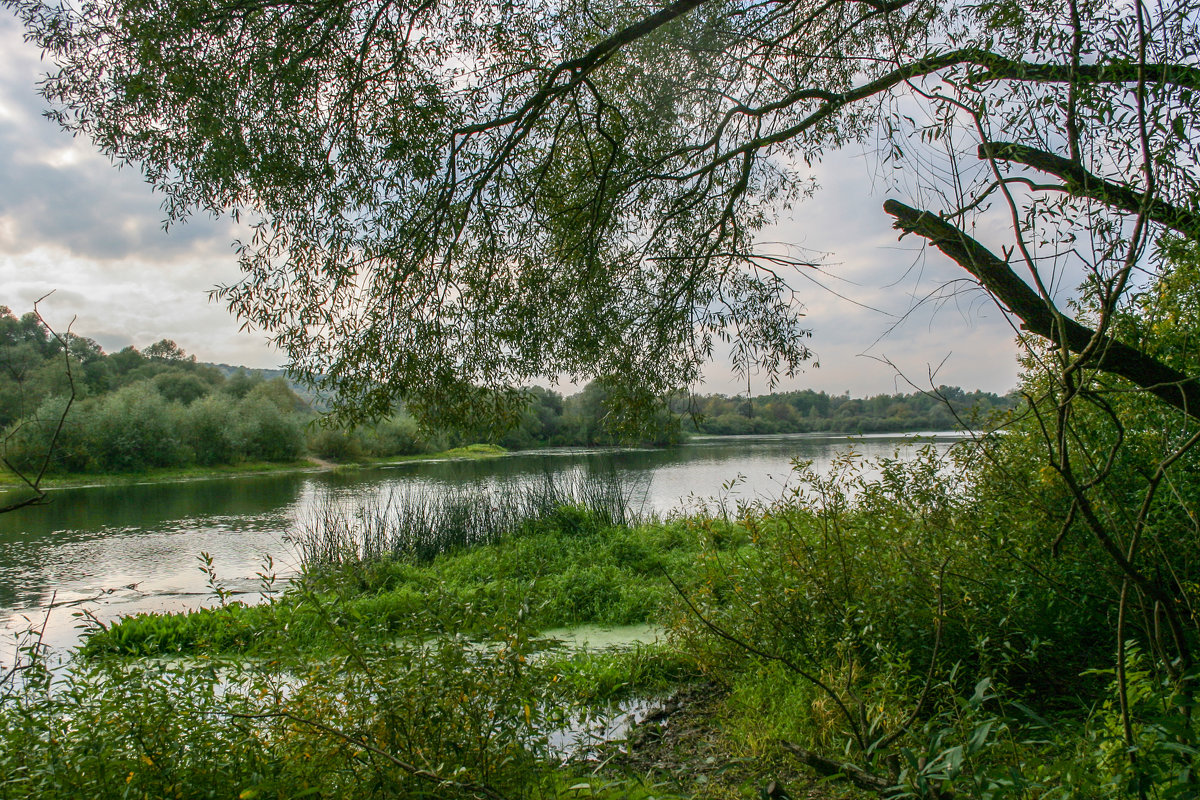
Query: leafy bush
x=437, y=718
x=334, y=443
x=265, y=432
x=398, y=436
x=210, y=429
x=133, y=429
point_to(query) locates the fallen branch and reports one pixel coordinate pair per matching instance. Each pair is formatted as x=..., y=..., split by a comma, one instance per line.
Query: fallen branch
x=851, y=772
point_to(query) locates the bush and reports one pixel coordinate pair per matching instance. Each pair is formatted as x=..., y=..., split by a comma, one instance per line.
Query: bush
x=397, y=436
x=210, y=429
x=335, y=444
x=134, y=429
x=178, y=386
x=29, y=440
x=266, y=433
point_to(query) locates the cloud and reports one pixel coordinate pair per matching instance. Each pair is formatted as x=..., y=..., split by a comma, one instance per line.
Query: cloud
x=884, y=313
x=58, y=190
x=73, y=224
x=71, y=221
x=137, y=304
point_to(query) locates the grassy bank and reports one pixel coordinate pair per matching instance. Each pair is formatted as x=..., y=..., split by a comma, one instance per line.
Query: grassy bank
x=568, y=567
x=884, y=625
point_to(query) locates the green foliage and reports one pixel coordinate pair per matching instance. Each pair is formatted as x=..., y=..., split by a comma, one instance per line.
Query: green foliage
x=598, y=676
x=946, y=408
x=398, y=435
x=210, y=430
x=334, y=443
x=29, y=440
x=216, y=420
x=419, y=525
x=1164, y=731
x=165, y=350
x=133, y=429
x=948, y=624
x=266, y=431
x=369, y=722
x=856, y=614
x=227, y=627
x=879, y=614
x=181, y=387
x=136, y=411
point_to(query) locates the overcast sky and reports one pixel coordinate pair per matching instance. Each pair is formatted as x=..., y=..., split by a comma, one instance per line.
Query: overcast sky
x=73, y=223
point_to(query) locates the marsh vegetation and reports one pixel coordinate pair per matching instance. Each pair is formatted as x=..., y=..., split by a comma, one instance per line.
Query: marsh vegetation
x=908, y=614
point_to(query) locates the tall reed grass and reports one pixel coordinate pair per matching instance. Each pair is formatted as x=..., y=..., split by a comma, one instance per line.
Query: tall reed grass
x=418, y=523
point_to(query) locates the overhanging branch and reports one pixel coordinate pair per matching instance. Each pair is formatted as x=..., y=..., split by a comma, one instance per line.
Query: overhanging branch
x=1038, y=315
x=985, y=66
x=1082, y=183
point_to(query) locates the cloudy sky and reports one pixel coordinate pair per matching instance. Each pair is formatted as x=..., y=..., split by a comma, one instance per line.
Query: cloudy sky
x=72, y=223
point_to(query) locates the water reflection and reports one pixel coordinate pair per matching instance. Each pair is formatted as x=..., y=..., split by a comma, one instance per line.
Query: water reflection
x=127, y=549
x=149, y=505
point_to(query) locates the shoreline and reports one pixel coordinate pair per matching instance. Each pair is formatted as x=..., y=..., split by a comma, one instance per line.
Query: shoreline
x=312, y=464
x=187, y=474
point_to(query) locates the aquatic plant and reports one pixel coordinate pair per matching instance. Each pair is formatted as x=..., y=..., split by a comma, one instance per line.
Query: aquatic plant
x=416, y=524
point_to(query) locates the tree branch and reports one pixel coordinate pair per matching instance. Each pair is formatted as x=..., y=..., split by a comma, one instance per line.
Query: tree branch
x=1039, y=315
x=993, y=66
x=828, y=767
x=1082, y=183
x=35, y=483
x=1000, y=68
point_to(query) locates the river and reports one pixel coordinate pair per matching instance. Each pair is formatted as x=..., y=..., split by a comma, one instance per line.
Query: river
x=109, y=551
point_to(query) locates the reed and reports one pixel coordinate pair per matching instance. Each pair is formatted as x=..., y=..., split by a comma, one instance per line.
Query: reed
x=418, y=523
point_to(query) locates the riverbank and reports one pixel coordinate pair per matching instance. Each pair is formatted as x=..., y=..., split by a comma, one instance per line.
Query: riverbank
x=11, y=485
x=847, y=627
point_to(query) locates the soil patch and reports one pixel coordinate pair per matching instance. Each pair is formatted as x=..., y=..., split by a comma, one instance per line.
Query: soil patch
x=678, y=742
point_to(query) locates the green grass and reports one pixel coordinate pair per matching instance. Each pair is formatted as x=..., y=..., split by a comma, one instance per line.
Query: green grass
x=568, y=569
x=466, y=451
x=165, y=475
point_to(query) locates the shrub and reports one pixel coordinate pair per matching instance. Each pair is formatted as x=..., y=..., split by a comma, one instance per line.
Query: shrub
x=133, y=429
x=210, y=429
x=266, y=433
x=334, y=443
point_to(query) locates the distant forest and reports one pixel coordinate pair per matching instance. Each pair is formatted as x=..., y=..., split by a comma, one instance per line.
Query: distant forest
x=159, y=407
x=806, y=411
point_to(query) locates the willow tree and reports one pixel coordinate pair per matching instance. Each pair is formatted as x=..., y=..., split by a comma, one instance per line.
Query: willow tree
x=451, y=198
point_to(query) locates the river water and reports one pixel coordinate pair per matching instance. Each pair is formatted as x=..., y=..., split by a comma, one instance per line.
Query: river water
x=117, y=550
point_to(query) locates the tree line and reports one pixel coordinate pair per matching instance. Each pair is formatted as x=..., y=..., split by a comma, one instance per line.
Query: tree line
x=159, y=407
x=807, y=411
